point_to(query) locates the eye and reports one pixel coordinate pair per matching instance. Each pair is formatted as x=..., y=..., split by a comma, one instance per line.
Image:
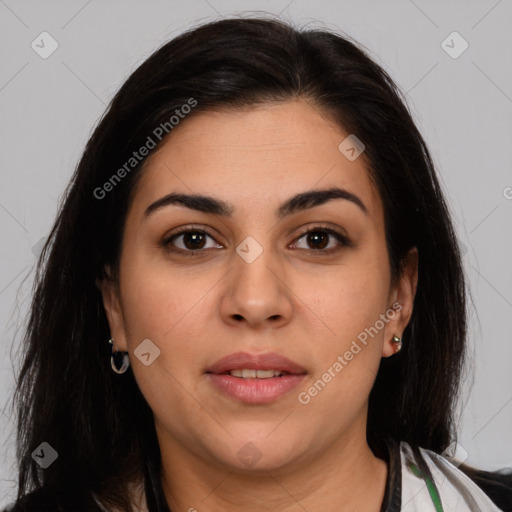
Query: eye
x=318, y=238
x=191, y=241
x=188, y=241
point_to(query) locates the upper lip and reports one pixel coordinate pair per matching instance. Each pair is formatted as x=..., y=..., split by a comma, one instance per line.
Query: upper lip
x=244, y=360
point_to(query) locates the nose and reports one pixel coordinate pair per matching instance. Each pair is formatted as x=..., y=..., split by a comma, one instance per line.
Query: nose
x=257, y=293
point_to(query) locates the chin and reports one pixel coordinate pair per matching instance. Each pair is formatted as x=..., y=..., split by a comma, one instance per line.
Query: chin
x=261, y=454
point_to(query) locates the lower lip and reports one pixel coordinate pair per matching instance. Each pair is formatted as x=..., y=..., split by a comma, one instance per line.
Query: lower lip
x=255, y=391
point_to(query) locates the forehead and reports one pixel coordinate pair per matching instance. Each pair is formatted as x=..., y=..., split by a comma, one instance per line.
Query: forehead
x=254, y=156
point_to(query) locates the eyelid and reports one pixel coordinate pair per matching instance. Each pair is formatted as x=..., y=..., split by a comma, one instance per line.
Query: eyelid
x=322, y=227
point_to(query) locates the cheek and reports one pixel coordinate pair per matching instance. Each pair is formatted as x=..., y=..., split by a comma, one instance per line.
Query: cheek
x=348, y=299
x=166, y=311
x=176, y=309
x=354, y=298
x=157, y=294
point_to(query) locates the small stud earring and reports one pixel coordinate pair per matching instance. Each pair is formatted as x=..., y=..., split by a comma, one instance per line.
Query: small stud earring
x=397, y=344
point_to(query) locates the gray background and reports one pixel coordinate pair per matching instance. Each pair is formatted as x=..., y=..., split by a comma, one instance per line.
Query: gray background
x=463, y=106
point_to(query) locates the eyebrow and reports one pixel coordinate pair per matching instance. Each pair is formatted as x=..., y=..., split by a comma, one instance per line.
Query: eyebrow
x=299, y=202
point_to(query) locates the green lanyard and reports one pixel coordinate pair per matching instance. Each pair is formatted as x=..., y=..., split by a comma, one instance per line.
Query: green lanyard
x=432, y=490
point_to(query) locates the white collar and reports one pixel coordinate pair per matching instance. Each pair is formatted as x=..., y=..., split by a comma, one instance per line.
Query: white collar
x=457, y=491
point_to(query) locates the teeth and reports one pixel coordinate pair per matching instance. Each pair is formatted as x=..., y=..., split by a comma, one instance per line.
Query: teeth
x=251, y=374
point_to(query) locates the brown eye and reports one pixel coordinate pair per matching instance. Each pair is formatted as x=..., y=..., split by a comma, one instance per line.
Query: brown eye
x=188, y=241
x=193, y=241
x=319, y=238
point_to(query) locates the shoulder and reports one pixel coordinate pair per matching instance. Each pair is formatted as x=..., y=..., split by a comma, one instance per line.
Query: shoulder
x=460, y=488
x=36, y=501
x=44, y=500
x=496, y=484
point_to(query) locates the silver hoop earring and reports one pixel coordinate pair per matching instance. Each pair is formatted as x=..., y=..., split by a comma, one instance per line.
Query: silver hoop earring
x=118, y=360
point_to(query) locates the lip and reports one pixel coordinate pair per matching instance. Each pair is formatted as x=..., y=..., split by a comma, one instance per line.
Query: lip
x=255, y=390
x=269, y=361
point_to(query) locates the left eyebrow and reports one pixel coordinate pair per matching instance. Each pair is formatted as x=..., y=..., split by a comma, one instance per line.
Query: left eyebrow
x=299, y=202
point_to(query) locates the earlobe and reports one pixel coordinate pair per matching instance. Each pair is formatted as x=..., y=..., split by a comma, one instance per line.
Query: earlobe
x=403, y=296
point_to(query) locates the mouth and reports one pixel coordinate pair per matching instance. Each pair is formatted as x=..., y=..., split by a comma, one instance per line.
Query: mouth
x=249, y=373
x=255, y=379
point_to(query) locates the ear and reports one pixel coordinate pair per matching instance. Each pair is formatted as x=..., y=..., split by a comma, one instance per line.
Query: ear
x=111, y=302
x=402, y=300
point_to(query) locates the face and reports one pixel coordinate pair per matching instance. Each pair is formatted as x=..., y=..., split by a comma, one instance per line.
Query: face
x=302, y=288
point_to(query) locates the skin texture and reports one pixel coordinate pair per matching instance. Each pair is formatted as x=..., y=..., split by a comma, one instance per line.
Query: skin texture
x=292, y=300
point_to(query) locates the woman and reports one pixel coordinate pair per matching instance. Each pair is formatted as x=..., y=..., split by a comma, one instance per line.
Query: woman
x=252, y=295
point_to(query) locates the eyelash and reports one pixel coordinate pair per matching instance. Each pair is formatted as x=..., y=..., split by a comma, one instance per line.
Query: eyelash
x=342, y=239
